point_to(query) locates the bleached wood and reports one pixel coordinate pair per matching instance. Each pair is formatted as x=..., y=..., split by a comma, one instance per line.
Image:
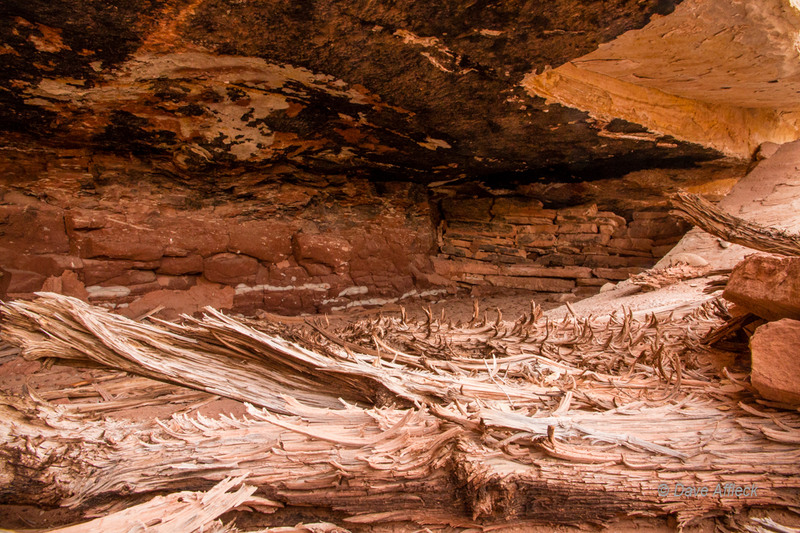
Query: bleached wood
x=566, y=421
x=708, y=217
x=187, y=512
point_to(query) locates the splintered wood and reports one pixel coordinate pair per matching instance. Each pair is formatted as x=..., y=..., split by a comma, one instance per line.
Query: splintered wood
x=389, y=419
x=181, y=511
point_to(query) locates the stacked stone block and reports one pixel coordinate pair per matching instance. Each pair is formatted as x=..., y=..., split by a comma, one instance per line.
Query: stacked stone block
x=136, y=257
x=515, y=242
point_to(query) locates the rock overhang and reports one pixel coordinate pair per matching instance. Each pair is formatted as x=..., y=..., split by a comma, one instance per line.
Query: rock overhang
x=402, y=91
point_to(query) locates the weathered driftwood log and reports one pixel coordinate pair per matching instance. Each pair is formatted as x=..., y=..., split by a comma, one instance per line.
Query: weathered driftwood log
x=387, y=465
x=489, y=452
x=713, y=220
x=528, y=363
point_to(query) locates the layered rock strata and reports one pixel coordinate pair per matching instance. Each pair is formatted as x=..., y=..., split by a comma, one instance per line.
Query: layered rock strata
x=287, y=246
x=114, y=231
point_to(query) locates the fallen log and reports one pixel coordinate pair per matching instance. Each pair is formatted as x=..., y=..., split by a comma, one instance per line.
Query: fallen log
x=194, y=512
x=493, y=454
x=711, y=219
x=385, y=464
x=239, y=362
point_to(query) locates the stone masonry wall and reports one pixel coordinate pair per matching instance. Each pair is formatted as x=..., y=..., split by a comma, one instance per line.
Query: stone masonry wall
x=515, y=242
x=110, y=232
x=133, y=236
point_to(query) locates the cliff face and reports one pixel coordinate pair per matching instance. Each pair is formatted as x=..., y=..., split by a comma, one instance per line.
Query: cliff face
x=307, y=156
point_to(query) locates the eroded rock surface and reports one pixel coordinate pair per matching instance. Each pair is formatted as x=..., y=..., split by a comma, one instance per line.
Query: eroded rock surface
x=408, y=89
x=724, y=74
x=766, y=285
x=776, y=367
x=314, y=156
x=115, y=231
x=286, y=245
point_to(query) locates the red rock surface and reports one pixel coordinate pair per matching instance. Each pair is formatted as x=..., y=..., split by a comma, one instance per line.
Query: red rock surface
x=125, y=248
x=303, y=243
x=265, y=240
x=766, y=285
x=68, y=284
x=230, y=269
x=175, y=302
x=776, y=365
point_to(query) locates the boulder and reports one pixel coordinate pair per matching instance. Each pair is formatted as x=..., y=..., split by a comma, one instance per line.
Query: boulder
x=230, y=269
x=173, y=303
x=68, y=284
x=766, y=285
x=263, y=239
x=776, y=367
x=324, y=249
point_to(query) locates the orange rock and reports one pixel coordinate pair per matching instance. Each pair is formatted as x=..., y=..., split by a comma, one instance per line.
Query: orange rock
x=776, y=367
x=23, y=281
x=263, y=239
x=230, y=269
x=99, y=270
x=324, y=249
x=33, y=229
x=766, y=285
x=174, y=302
x=122, y=242
x=176, y=266
x=67, y=284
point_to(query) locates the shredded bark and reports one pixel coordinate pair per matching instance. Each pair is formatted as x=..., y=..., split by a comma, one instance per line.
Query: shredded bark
x=389, y=419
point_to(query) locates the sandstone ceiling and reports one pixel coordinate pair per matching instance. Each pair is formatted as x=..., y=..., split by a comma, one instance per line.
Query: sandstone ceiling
x=724, y=74
x=410, y=89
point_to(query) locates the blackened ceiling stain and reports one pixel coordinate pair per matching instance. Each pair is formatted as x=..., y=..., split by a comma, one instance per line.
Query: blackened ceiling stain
x=403, y=89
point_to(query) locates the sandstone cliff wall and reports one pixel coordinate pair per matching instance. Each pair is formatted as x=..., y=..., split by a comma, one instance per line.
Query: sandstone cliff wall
x=108, y=230
x=121, y=232
x=514, y=242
